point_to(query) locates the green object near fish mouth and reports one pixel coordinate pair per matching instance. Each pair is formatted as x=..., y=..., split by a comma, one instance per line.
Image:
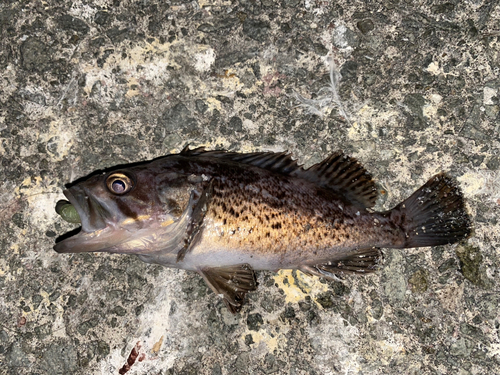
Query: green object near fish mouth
x=67, y=212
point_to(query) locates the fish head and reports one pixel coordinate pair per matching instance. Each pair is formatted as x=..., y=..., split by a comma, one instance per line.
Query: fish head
x=124, y=210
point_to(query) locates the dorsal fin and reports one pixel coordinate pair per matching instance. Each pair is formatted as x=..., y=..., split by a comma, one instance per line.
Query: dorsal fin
x=344, y=175
x=279, y=162
x=340, y=173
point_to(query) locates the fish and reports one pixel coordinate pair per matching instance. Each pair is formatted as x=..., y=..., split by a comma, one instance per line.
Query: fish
x=226, y=215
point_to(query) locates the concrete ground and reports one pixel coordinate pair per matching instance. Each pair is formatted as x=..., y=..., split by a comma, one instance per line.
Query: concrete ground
x=86, y=85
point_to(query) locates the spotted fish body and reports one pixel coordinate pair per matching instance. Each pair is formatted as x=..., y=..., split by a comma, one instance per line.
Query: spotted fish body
x=270, y=222
x=226, y=214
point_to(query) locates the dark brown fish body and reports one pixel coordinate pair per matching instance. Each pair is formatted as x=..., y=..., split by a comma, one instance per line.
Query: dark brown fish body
x=226, y=214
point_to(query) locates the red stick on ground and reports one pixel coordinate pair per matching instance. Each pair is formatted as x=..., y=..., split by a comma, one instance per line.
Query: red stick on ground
x=131, y=358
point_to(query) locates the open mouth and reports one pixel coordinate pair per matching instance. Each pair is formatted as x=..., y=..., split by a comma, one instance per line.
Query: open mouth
x=90, y=211
x=81, y=208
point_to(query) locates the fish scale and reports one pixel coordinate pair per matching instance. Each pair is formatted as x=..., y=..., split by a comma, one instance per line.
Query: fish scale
x=302, y=227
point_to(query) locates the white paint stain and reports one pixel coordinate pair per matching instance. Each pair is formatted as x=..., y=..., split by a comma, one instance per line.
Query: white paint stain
x=488, y=95
x=481, y=182
x=434, y=68
x=432, y=105
x=340, y=37
x=370, y=121
x=203, y=61
x=148, y=61
x=41, y=202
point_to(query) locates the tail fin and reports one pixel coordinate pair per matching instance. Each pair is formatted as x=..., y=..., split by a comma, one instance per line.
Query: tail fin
x=434, y=215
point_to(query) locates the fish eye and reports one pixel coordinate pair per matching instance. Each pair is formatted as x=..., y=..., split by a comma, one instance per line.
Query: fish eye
x=119, y=183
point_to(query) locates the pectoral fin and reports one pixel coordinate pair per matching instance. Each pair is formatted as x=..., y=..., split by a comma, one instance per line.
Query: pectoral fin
x=200, y=207
x=232, y=283
x=361, y=261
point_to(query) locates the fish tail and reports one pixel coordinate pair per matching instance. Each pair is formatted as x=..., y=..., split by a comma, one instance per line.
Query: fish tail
x=434, y=215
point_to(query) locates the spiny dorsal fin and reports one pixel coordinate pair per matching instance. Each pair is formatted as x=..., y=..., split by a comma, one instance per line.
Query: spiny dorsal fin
x=340, y=173
x=279, y=162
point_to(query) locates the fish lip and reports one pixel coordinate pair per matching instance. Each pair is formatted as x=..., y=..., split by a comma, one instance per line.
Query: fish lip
x=79, y=200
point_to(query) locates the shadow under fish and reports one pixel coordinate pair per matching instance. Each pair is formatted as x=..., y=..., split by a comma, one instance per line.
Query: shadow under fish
x=225, y=214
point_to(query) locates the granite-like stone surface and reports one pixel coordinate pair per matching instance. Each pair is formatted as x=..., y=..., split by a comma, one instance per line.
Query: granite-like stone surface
x=89, y=84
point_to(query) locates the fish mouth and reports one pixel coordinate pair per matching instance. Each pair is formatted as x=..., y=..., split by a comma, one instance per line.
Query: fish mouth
x=92, y=214
x=95, y=233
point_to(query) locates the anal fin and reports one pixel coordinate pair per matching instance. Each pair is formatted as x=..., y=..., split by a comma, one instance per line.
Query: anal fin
x=359, y=262
x=231, y=282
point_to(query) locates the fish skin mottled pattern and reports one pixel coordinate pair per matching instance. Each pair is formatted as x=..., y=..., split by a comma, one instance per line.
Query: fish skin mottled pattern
x=226, y=214
x=291, y=219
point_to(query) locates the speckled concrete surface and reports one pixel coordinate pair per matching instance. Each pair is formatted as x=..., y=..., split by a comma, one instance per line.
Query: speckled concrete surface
x=90, y=84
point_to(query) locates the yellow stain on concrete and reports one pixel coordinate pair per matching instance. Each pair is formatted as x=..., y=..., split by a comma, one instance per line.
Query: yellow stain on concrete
x=58, y=326
x=248, y=148
x=40, y=201
x=14, y=248
x=365, y=109
x=4, y=268
x=385, y=351
x=45, y=302
x=310, y=285
x=214, y=104
x=369, y=315
x=157, y=346
x=26, y=183
x=142, y=53
x=133, y=85
x=30, y=186
x=145, y=60
x=231, y=81
x=213, y=3
x=217, y=143
x=262, y=337
x=354, y=131
x=45, y=296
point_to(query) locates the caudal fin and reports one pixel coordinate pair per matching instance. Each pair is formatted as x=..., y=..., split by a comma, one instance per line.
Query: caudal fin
x=434, y=215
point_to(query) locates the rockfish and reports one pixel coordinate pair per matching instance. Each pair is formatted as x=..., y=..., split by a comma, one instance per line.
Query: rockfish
x=226, y=214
